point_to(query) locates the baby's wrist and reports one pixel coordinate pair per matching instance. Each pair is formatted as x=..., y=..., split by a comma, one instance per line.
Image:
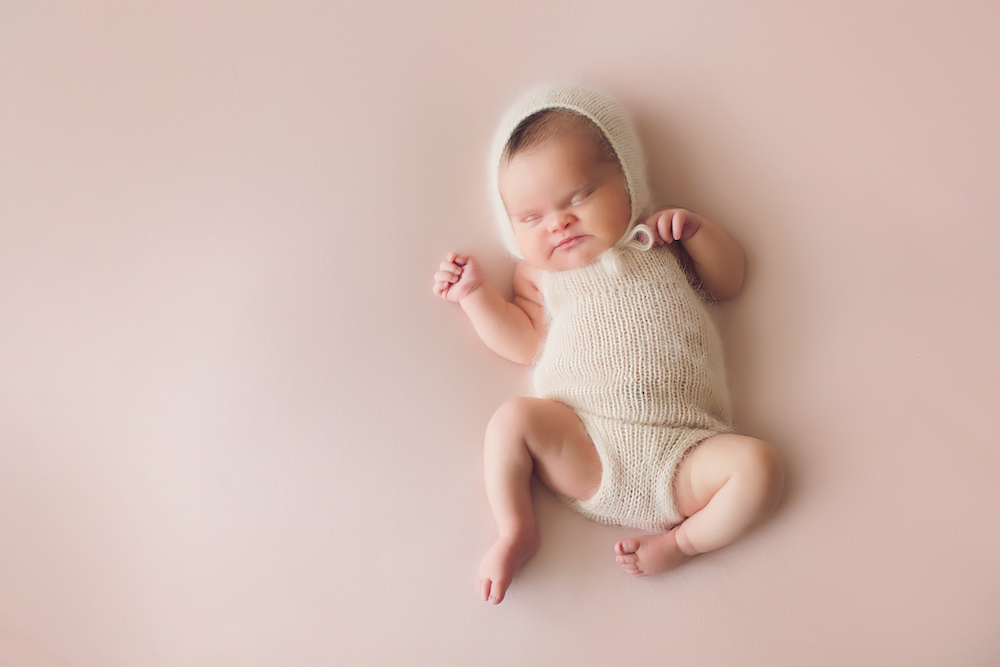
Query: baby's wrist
x=475, y=289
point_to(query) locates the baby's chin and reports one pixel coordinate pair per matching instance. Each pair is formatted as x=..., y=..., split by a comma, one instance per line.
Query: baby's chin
x=564, y=262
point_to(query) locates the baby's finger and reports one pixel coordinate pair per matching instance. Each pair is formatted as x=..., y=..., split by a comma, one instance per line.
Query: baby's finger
x=446, y=277
x=453, y=268
x=677, y=225
x=660, y=222
x=654, y=224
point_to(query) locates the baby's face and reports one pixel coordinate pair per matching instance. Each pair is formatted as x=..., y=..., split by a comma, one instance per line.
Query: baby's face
x=566, y=205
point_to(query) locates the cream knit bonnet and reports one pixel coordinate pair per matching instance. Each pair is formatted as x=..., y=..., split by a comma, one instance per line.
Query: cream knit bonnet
x=605, y=112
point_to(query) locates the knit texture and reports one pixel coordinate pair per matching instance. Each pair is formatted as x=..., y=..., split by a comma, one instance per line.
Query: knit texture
x=604, y=111
x=636, y=354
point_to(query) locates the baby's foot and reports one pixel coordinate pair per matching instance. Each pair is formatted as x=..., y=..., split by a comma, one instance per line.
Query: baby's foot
x=501, y=562
x=650, y=554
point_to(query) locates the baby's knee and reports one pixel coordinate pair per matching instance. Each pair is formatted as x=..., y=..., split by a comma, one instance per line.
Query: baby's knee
x=511, y=417
x=759, y=465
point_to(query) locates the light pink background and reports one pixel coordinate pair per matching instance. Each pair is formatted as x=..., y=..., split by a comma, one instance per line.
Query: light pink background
x=237, y=428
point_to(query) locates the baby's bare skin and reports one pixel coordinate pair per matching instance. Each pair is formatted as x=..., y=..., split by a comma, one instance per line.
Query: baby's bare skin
x=567, y=208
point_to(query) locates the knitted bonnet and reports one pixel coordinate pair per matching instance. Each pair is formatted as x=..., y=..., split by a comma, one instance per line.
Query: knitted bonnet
x=605, y=112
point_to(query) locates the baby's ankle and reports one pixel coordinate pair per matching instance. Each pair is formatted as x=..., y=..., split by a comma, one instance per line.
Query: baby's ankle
x=519, y=534
x=684, y=542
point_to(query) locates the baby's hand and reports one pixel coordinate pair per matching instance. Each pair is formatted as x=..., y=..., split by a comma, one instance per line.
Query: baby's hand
x=672, y=224
x=458, y=277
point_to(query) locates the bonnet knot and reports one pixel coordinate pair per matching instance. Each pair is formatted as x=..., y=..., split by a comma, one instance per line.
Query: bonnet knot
x=630, y=241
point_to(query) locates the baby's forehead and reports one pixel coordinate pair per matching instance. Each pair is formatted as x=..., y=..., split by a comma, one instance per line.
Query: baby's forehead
x=561, y=162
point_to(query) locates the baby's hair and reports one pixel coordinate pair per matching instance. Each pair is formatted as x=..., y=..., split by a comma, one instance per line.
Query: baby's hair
x=546, y=124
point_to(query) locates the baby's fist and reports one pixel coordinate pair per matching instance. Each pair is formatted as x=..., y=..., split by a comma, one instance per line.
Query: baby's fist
x=674, y=224
x=457, y=277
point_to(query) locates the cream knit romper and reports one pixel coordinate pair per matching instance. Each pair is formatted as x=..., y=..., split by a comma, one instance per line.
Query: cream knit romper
x=637, y=356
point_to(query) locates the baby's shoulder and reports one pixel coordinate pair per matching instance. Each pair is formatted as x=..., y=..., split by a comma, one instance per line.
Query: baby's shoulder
x=528, y=283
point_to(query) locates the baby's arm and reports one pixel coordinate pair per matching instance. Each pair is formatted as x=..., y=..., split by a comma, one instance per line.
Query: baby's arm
x=512, y=330
x=718, y=258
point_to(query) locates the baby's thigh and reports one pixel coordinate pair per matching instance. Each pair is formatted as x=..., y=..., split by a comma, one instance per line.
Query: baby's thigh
x=721, y=458
x=565, y=459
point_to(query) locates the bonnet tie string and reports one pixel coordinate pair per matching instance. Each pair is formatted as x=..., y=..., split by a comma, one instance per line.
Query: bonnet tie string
x=612, y=256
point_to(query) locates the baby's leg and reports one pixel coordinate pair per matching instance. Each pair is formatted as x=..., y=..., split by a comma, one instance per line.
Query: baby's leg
x=725, y=487
x=525, y=436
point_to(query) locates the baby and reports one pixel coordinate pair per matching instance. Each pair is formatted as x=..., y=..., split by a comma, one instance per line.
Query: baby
x=631, y=421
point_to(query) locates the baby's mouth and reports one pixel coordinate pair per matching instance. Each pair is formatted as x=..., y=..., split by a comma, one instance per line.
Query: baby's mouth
x=570, y=242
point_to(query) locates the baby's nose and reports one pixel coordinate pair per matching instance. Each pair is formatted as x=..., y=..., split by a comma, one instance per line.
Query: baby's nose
x=562, y=220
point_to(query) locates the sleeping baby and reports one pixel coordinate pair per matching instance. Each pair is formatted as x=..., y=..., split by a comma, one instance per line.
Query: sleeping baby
x=630, y=423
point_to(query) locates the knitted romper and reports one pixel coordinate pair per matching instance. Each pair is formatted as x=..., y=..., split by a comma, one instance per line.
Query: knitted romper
x=637, y=357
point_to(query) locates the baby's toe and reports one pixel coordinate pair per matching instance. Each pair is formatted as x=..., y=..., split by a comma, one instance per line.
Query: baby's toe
x=627, y=546
x=496, y=593
x=627, y=559
x=632, y=569
x=483, y=588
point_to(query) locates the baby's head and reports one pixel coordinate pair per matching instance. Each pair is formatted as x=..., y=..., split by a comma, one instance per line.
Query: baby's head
x=568, y=177
x=562, y=186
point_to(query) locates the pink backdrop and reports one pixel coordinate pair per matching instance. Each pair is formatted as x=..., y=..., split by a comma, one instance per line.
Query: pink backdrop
x=236, y=427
